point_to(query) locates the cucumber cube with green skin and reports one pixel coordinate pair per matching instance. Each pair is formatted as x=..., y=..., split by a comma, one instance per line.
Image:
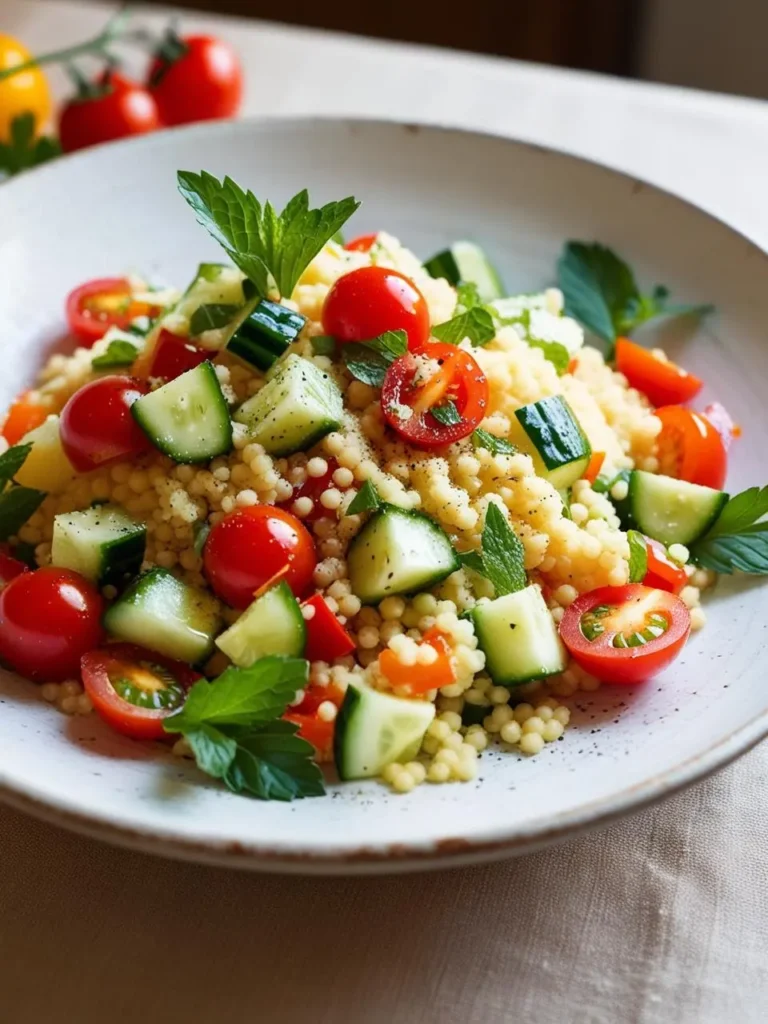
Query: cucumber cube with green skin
x=671, y=511
x=466, y=263
x=549, y=432
x=102, y=543
x=272, y=624
x=265, y=334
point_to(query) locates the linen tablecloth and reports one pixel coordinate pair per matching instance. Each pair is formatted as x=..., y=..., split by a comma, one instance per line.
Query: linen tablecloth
x=660, y=918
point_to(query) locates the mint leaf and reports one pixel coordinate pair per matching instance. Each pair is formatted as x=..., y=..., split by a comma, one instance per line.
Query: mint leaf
x=503, y=553
x=368, y=361
x=472, y=560
x=738, y=541
x=476, y=324
x=211, y=316
x=556, y=353
x=597, y=286
x=366, y=498
x=654, y=306
x=16, y=506
x=271, y=249
x=273, y=763
x=200, y=532
x=119, y=353
x=742, y=511
x=447, y=414
x=11, y=462
x=323, y=345
x=467, y=295
x=242, y=696
x=213, y=750
x=638, y=556
x=496, y=445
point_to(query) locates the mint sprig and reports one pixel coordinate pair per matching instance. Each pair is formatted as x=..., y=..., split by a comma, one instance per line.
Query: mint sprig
x=476, y=323
x=501, y=558
x=738, y=541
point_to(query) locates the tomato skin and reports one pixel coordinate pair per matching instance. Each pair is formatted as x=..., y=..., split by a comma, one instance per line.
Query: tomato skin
x=204, y=83
x=124, y=717
x=97, y=426
x=24, y=93
x=459, y=378
x=421, y=678
x=371, y=300
x=326, y=637
x=662, y=573
x=662, y=383
x=49, y=618
x=10, y=567
x=88, y=308
x=24, y=415
x=703, y=459
x=124, y=108
x=625, y=665
x=173, y=356
x=362, y=243
x=251, y=546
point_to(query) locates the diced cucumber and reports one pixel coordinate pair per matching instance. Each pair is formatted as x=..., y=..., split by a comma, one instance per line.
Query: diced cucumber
x=272, y=624
x=162, y=613
x=187, y=418
x=519, y=637
x=398, y=552
x=466, y=263
x=265, y=334
x=46, y=468
x=295, y=408
x=374, y=729
x=549, y=432
x=102, y=543
x=672, y=511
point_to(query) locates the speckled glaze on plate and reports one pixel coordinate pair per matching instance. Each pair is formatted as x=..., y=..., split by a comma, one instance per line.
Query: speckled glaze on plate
x=116, y=209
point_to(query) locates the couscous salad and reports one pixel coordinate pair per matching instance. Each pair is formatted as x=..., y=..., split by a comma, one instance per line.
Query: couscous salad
x=334, y=503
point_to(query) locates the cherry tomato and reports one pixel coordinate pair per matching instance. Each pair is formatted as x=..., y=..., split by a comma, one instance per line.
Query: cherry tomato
x=662, y=572
x=452, y=375
x=48, y=620
x=10, y=567
x=369, y=301
x=134, y=689
x=201, y=80
x=419, y=679
x=24, y=415
x=326, y=637
x=312, y=488
x=173, y=356
x=116, y=108
x=362, y=243
x=721, y=420
x=691, y=448
x=94, y=307
x=97, y=426
x=594, y=466
x=24, y=93
x=251, y=546
x=315, y=730
x=662, y=382
x=625, y=634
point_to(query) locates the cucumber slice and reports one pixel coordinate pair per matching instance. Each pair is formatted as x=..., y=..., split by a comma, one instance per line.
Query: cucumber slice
x=374, y=729
x=46, y=468
x=295, y=408
x=549, y=432
x=672, y=511
x=466, y=262
x=272, y=624
x=187, y=418
x=160, y=612
x=265, y=334
x=518, y=637
x=103, y=544
x=398, y=552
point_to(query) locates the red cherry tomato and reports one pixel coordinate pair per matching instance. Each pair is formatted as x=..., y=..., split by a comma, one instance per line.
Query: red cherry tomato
x=662, y=382
x=662, y=572
x=697, y=450
x=117, y=108
x=369, y=301
x=203, y=81
x=721, y=420
x=10, y=567
x=251, y=546
x=48, y=620
x=362, y=243
x=92, y=308
x=24, y=415
x=173, y=356
x=625, y=634
x=421, y=678
x=97, y=426
x=312, y=488
x=427, y=380
x=134, y=689
x=326, y=637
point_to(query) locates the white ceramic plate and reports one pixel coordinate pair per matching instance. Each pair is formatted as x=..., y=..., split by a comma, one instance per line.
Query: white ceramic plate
x=116, y=209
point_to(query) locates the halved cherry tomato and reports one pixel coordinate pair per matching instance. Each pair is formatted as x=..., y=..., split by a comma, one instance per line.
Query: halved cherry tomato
x=662, y=382
x=326, y=637
x=134, y=689
x=10, y=567
x=315, y=730
x=698, y=452
x=94, y=307
x=112, y=108
x=721, y=420
x=367, y=302
x=625, y=634
x=173, y=356
x=594, y=466
x=24, y=415
x=419, y=679
x=312, y=488
x=252, y=545
x=417, y=383
x=200, y=79
x=662, y=572
x=48, y=620
x=362, y=243
x=97, y=426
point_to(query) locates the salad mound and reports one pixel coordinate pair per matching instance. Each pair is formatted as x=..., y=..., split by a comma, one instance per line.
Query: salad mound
x=332, y=503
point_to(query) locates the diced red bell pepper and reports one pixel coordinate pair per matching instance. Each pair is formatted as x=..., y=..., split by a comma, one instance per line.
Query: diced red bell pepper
x=326, y=637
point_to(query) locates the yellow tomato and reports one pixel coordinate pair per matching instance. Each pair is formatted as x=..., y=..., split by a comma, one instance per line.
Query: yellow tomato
x=26, y=92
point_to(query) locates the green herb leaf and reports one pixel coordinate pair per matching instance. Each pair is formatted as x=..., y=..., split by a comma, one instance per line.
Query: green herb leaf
x=213, y=750
x=22, y=151
x=597, y=286
x=638, y=556
x=338, y=238
x=16, y=506
x=738, y=541
x=554, y=352
x=11, y=462
x=366, y=498
x=496, y=445
x=273, y=763
x=323, y=345
x=447, y=414
x=211, y=316
x=119, y=353
x=472, y=560
x=654, y=306
x=272, y=249
x=368, y=361
x=503, y=554
x=476, y=324
x=467, y=295
x=242, y=696
x=200, y=532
